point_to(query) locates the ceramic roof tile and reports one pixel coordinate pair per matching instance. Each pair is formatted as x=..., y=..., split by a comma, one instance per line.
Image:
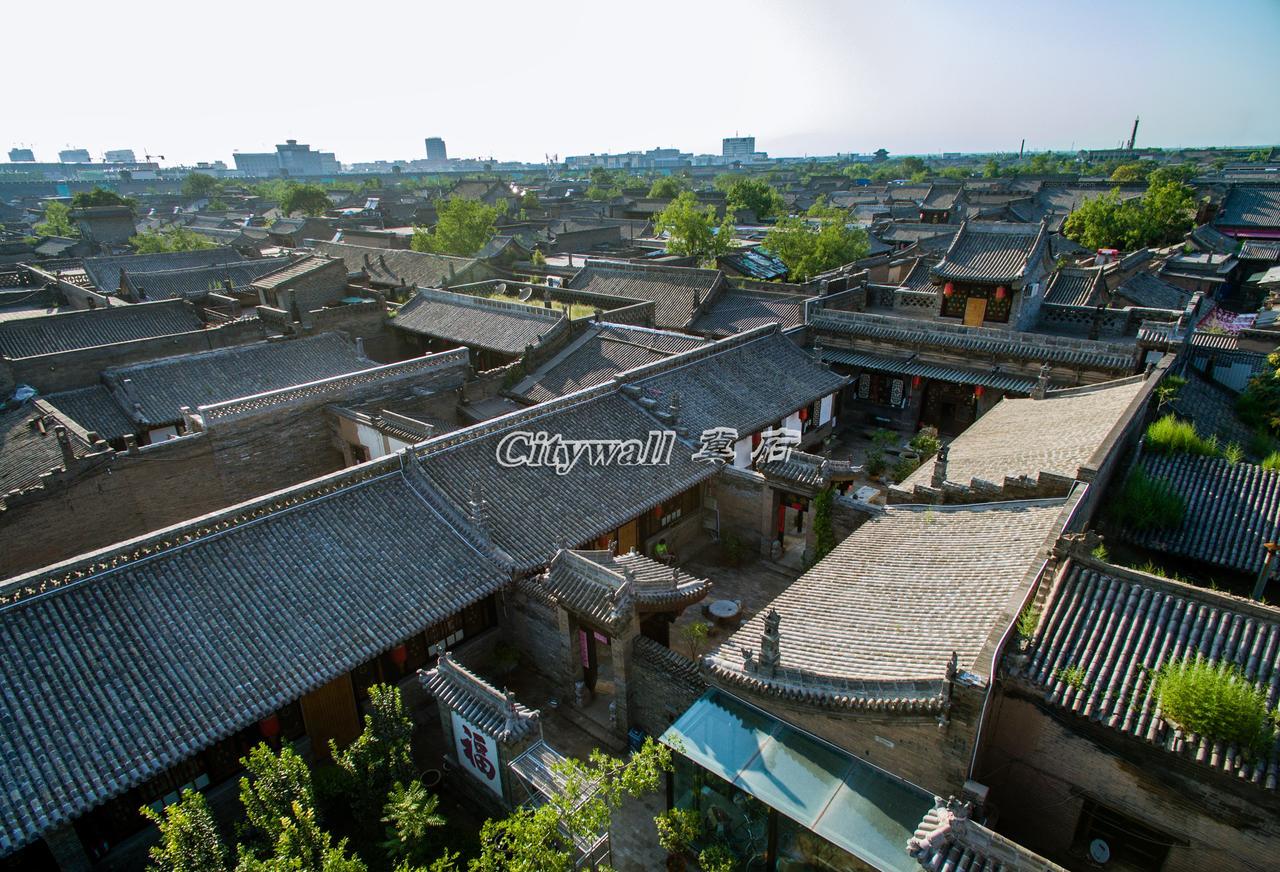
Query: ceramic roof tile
x=68, y=331
x=736, y=310
x=675, y=291
x=104, y=272
x=477, y=322
x=991, y=252
x=196, y=282
x=1151, y=292
x=875, y=623
x=1250, y=207
x=386, y=267
x=1075, y=286
x=312, y=582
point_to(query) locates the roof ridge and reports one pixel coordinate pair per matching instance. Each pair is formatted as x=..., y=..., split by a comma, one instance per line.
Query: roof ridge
x=693, y=355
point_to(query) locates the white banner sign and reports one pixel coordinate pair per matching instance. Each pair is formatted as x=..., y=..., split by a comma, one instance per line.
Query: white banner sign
x=477, y=753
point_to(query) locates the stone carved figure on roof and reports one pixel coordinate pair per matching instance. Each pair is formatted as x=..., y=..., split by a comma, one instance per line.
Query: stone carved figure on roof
x=770, y=644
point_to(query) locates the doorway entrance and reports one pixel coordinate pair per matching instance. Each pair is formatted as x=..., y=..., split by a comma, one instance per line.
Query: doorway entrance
x=595, y=653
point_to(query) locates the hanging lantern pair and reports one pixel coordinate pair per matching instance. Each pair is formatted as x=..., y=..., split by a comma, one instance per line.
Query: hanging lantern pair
x=915, y=381
x=399, y=655
x=948, y=289
x=979, y=391
x=1002, y=292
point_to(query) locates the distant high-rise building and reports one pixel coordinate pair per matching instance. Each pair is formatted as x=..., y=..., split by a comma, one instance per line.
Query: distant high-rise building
x=436, y=149
x=738, y=147
x=120, y=155
x=22, y=154
x=74, y=155
x=290, y=158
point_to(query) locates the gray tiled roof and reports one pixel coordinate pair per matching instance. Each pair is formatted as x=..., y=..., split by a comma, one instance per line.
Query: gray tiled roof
x=27, y=452
x=1036, y=439
x=918, y=279
x=915, y=332
x=948, y=839
x=1250, y=207
x=296, y=269
x=104, y=272
x=532, y=510
x=495, y=712
x=993, y=377
x=1151, y=292
x=68, y=331
x=1207, y=237
x=162, y=387
x=1213, y=409
x=93, y=409
x=746, y=382
x=735, y=311
x=875, y=623
x=1254, y=249
x=1075, y=286
x=1120, y=626
x=197, y=631
x=1231, y=510
x=478, y=322
x=991, y=252
x=196, y=282
x=386, y=267
x=675, y=291
x=608, y=589
x=602, y=352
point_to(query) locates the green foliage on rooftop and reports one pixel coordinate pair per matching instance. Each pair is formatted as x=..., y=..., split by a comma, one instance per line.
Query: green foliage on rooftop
x=463, y=227
x=691, y=228
x=169, y=239
x=1169, y=435
x=308, y=199
x=57, y=221
x=821, y=240
x=1217, y=701
x=101, y=197
x=1161, y=216
x=1147, y=502
x=1259, y=405
x=667, y=187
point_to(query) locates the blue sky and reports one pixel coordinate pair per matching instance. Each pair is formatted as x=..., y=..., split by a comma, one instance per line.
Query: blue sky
x=517, y=80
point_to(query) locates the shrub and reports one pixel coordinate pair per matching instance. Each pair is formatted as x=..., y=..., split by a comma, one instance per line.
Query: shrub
x=926, y=443
x=1234, y=453
x=1169, y=434
x=678, y=828
x=1217, y=701
x=1101, y=552
x=717, y=858
x=695, y=636
x=1147, y=502
x=1272, y=462
x=1073, y=676
x=1027, y=621
x=905, y=467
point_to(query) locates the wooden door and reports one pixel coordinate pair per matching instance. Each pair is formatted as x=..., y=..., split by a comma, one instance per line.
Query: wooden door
x=975, y=309
x=628, y=536
x=329, y=712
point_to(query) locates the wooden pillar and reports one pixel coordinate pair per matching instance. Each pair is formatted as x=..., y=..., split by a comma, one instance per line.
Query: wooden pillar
x=67, y=849
x=329, y=713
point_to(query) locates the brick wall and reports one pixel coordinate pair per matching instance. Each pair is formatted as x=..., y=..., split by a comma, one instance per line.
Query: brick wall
x=744, y=504
x=315, y=290
x=530, y=625
x=75, y=369
x=663, y=684
x=1041, y=763
x=231, y=461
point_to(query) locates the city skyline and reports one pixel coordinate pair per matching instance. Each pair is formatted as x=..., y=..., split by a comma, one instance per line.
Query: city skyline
x=855, y=79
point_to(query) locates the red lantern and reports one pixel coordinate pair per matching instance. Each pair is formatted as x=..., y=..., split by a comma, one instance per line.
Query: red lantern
x=1001, y=292
x=915, y=381
x=755, y=440
x=979, y=391
x=948, y=289
x=399, y=655
x=269, y=727
x=657, y=511
x=804, y=414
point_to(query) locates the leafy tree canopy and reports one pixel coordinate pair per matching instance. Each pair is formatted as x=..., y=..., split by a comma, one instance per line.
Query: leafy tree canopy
x=691, y=228
x=818, y=242
x=308, y=199
x=1161, y=216
x=189, y=840
x=756, y=195
x=462, y=228
x=101, y=197
x=169, y=239
x=666, y=187
x=379, y=758
x=57, y=221
x=200, y=185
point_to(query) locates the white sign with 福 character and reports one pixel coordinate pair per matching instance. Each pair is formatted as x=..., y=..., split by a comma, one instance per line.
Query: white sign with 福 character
x=477, y=753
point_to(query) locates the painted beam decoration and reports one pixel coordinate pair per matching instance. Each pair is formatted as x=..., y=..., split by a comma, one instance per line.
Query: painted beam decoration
x=477, y=753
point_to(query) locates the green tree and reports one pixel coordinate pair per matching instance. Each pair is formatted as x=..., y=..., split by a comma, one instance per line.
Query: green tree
x=1161, y=216
x=380, y=757
x=756, y=195
x=529, y=200
x=308, y=199
x=606, y=184
x=100, y=197
x=691, y=228
x=57, y=221
x=189, y=840
x=169, y=239
x=820, y=241
x=274, y=785
x=913, y=165
x=823, y=528
x=198, y=185
x=410, y=815
x=540, y=839
x=666, y=187
x=462, y=228
x=538, y=258
x=991, y=169
x=303, y=846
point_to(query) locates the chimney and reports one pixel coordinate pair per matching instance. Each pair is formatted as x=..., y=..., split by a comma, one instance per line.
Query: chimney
x=1042, y=383
x=64, y=442
x=478, y=512
x=673, y=407
x=770, y=644
x=359, y=346
x=939, y=468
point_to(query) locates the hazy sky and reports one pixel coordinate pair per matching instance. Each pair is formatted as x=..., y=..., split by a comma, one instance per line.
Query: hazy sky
x=517, y=80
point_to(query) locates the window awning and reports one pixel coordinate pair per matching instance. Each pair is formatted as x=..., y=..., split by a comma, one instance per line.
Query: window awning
x=852, y=804
x=992, y=378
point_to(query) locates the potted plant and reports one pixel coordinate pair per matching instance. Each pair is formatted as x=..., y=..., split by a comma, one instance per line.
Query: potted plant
x=678, y=829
